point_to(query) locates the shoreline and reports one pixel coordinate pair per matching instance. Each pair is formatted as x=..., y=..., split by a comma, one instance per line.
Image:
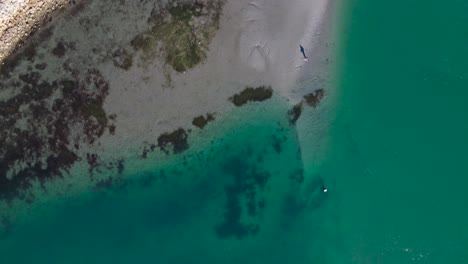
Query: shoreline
x=137, y=99
x=21, y=19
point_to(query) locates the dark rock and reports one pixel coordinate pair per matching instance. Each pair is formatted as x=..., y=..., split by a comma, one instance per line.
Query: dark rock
x=59, y=50
x=202, y=121
x=250, y=94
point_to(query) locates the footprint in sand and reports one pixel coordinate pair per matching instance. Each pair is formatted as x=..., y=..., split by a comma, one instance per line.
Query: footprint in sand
x=252, y=43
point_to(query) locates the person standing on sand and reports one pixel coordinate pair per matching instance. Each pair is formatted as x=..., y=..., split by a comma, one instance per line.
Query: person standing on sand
x=302, y=51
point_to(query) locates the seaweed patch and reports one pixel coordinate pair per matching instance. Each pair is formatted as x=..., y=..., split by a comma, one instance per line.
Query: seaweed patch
x=184, y=37
x=243, y=200
x=44, y=123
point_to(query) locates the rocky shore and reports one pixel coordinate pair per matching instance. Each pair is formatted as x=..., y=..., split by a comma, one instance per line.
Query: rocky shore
x=20, y=19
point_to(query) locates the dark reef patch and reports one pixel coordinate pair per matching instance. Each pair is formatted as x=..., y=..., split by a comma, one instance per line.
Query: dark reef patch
x=176, y=139
x=295, y=113
x=147, y=148
x=242, y=196
x=251, y=94
x=44, y=123
x=201, y=121
x=314, y=98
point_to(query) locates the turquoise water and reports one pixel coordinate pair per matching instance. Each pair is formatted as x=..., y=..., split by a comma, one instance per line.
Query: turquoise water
x=395, y=165
x=234, y=200
x=399, y=142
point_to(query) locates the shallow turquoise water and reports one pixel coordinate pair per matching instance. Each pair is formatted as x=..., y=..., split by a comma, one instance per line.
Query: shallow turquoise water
x=235, y=200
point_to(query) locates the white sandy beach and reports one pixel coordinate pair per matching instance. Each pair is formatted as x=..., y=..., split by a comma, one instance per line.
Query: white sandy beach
x=257, y=44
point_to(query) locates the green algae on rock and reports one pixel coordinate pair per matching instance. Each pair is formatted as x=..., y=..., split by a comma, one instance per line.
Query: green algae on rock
x=183, y=30
x=251, y=94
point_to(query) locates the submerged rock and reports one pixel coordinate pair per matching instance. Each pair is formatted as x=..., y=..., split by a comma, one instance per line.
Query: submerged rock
x=314, y=98
x=295, y=113
x=243, y=199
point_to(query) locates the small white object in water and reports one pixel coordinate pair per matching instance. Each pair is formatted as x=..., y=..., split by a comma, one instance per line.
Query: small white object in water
x=325, y=190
